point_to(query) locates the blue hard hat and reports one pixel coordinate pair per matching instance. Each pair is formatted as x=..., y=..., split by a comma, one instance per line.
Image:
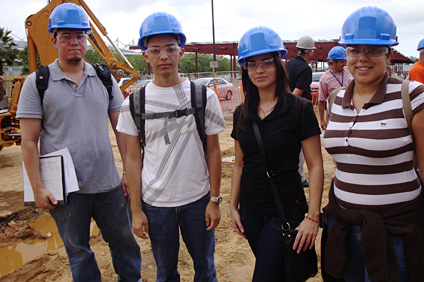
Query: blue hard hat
x=68, y=15
x=259, y=40
x=160, y=23
x=420, y=45
x=337, y=53
x=369, y=26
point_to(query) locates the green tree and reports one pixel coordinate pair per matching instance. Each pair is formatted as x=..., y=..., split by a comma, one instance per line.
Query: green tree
x=139, y=63
x=188, y=63
x=8, y=54
x=92, y=57
x=414, y=59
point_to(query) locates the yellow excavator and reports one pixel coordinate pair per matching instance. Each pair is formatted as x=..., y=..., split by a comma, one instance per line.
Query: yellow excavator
x=39, y=42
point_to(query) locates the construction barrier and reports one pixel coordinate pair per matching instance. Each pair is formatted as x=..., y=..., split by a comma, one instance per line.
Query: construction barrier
x=229, y=96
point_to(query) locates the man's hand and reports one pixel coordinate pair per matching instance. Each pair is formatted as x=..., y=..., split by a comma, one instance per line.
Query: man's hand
x=212, y=215
x=44, y=199
x=140, y=224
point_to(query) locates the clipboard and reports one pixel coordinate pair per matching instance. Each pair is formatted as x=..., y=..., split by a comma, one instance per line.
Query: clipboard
x=52, y=175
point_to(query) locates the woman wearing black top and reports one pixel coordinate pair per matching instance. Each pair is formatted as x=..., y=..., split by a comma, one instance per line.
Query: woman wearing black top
x=287, y=123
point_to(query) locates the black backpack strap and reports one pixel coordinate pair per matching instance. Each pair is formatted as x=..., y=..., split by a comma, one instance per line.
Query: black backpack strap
x=42, y=75
x=103, y=73
x=137, y=108
x=198, y=103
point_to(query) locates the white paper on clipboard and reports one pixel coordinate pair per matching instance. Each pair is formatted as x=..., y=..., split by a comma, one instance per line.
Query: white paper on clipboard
x=71, y=182
x=52, y=178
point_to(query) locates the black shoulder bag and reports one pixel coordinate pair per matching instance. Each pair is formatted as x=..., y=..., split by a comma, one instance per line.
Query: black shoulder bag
x=297, y=267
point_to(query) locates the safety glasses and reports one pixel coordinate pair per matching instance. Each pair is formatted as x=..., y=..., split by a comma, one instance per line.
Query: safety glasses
x=169, y=50
x=354, y=52
x=253, y=65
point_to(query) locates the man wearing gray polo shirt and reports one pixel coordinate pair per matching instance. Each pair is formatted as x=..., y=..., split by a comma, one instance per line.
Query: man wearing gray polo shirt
x=74, y=114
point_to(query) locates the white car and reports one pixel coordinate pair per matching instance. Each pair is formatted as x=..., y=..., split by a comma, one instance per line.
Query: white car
x=225, y=88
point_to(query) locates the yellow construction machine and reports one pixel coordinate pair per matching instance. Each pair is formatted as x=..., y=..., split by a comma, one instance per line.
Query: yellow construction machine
x=39, y=42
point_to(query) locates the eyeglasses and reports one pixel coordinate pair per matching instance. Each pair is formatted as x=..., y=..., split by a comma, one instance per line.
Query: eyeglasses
x=67, y=37
x=370, y=52
x=253, y=65
x=169, y=50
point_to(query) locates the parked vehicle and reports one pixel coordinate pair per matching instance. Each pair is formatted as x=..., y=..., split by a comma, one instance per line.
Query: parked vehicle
x=224, y=88
x=316, y=76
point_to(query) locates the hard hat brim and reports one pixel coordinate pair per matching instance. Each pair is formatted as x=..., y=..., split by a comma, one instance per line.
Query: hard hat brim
x=283, y=53
x=68, y=26
x=368, y=42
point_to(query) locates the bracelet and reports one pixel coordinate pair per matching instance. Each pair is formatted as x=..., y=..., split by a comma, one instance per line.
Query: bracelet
x=124, y=173
x=316, y=221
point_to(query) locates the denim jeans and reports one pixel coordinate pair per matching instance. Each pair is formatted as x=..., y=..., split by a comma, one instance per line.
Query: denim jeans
x=266, y=241
x=164, y=226
x=355, y=269
x=112, y=215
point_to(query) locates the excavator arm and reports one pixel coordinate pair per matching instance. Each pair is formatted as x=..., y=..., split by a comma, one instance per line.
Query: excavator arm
x=40, y=41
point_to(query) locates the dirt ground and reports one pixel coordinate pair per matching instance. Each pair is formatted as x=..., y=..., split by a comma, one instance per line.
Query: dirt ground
x=233, y=257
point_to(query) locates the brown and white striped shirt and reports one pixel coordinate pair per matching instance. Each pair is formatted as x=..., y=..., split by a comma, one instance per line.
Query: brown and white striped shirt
x=373, y=149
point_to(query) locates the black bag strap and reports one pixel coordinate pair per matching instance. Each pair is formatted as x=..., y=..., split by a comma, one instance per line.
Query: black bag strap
x=42, y=75
x=103, y=73
x=137, y=109
x=271, y=180
x=407, y=108
x=198, y=103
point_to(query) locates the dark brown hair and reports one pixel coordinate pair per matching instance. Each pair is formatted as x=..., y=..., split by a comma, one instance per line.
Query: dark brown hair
x=251, y=93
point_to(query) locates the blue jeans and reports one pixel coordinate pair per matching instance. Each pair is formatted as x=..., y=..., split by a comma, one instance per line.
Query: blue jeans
x=112, y=215
x=164, y=237
x=266, y=241
x=355, y=269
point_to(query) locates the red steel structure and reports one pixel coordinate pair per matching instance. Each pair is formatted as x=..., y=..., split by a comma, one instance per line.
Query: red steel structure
x=230, y=49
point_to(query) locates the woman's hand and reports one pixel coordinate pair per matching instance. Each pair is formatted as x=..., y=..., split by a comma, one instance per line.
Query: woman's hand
x=236, y=222
x=306, y=235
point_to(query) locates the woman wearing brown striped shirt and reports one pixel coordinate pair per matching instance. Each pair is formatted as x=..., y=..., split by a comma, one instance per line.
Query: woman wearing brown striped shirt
x=374, y=233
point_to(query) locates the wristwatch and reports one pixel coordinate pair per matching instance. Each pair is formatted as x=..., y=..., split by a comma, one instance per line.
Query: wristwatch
x=217, y=200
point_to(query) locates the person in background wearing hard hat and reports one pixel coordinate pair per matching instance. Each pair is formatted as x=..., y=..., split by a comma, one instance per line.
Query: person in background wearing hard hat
x=299, y=71
x=173, y=187
x=300, y=79
x=287, y=124
x=74, y=114
x=417, y=71
x=375, y=213
x=337, y=76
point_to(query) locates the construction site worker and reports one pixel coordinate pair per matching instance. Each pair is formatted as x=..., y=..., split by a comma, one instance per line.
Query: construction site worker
x=173, y=187
x=300, y=79
x=417, y=71
x=335, y=77
x=74, y=114
x=375, y=213
x=287, y=123
x=299, y=71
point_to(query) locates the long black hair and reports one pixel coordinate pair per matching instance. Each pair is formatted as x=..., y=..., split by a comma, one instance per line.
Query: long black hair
x=251, y=93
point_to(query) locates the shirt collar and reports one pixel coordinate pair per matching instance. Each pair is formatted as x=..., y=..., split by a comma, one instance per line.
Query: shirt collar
x=300, y=58
x=378, y=97
x=57, y=74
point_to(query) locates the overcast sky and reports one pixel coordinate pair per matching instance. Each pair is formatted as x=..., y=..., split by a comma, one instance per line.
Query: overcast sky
x=320, y=19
